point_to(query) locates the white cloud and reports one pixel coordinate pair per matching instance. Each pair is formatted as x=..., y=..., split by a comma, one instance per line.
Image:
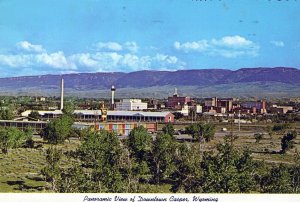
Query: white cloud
x=166, y=59
x=16, y=60
x=131, y=46
x=104, y=60
x=55, y=60
x=112, y=46
x=83, y=59
x=278, y=43
x=228, y=46
x=112, y=61
x=25, y=45
x=192, y=46
x=233, y=41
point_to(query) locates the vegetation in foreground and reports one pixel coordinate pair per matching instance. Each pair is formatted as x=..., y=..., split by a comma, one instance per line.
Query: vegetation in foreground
x=101, y=162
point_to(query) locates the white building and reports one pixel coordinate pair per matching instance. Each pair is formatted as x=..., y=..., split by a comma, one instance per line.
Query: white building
x=199, y=109
x=131, y=105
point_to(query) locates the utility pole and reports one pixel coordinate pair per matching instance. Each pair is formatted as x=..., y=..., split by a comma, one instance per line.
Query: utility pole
x=239, y=120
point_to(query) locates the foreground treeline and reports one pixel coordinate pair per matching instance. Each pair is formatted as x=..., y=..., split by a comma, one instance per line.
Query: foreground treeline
x=104, y=163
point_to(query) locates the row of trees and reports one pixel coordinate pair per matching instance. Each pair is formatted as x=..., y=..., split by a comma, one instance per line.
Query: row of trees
x=104, y=163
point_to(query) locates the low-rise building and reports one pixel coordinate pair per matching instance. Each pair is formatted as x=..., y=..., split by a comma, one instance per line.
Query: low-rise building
x=280, y=109
x=134, y=116
x=131, y=105
x=96, y=115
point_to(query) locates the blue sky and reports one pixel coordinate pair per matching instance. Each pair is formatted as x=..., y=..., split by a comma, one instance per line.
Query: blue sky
x=65, y=36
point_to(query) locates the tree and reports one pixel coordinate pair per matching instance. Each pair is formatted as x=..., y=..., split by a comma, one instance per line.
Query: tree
x=139, y=144
x=162, y=157
x=280, y=127
x=187, y=173
x=177, y=115
x=97, y=166
x=101, y=152
x=58, y=130
x=200, y=132
x=29, y=143
x=6, y=113
x=227, y=172
x=69, y=109
x=169, y=129
x=102, y=163
x=12, y=138
x=277, y=180
x=52, y=170
x=258, y=137
x=287, y=141
x=4, y=141
x=34, y=115
x=74, y=179
x=208, y=131
x=295, y=175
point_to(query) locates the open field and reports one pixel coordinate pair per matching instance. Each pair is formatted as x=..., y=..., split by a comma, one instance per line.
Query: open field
x=20, y=169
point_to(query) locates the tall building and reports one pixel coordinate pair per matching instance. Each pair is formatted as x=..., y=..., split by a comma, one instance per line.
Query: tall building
x=131, y=105
x=255, y=106
x=176, y=102
x=221, y=105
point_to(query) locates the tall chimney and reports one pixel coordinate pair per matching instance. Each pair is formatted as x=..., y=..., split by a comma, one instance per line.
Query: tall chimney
x=113, y=89
x=62, y=94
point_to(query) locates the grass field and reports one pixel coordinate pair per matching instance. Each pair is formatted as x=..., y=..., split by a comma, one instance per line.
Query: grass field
x=20, y=169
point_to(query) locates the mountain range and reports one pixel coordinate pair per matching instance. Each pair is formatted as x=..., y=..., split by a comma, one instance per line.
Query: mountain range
x=245, y=82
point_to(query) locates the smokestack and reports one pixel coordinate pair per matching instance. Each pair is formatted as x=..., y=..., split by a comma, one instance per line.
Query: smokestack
x=175, y=92
x=62, y=94
x=113, y=89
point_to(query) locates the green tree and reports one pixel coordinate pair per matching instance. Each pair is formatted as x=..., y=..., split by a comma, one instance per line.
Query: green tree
x=187, y=173
x=12, y=138
x=228, y=172
x=163, y=150
x=169, y=129
x=69, y=108
x=281, y=127
x=4, y=141
x=287, y=141
x=52, y=170
x=34, y=115
x=102, y=153
x=201, y=132
x=258, y=137
x=6, y=113
x=29, y=143
x=177, y=115
x=58, y=130
x=139, y=144
x=74, y=179
x=102, y=163
x=295, y=176
x=277, y=180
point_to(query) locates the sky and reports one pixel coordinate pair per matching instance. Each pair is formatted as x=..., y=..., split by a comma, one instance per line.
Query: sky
x=74, y=36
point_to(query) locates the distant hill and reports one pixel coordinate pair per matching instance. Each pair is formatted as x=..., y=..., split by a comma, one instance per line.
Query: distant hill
x=255, y=82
